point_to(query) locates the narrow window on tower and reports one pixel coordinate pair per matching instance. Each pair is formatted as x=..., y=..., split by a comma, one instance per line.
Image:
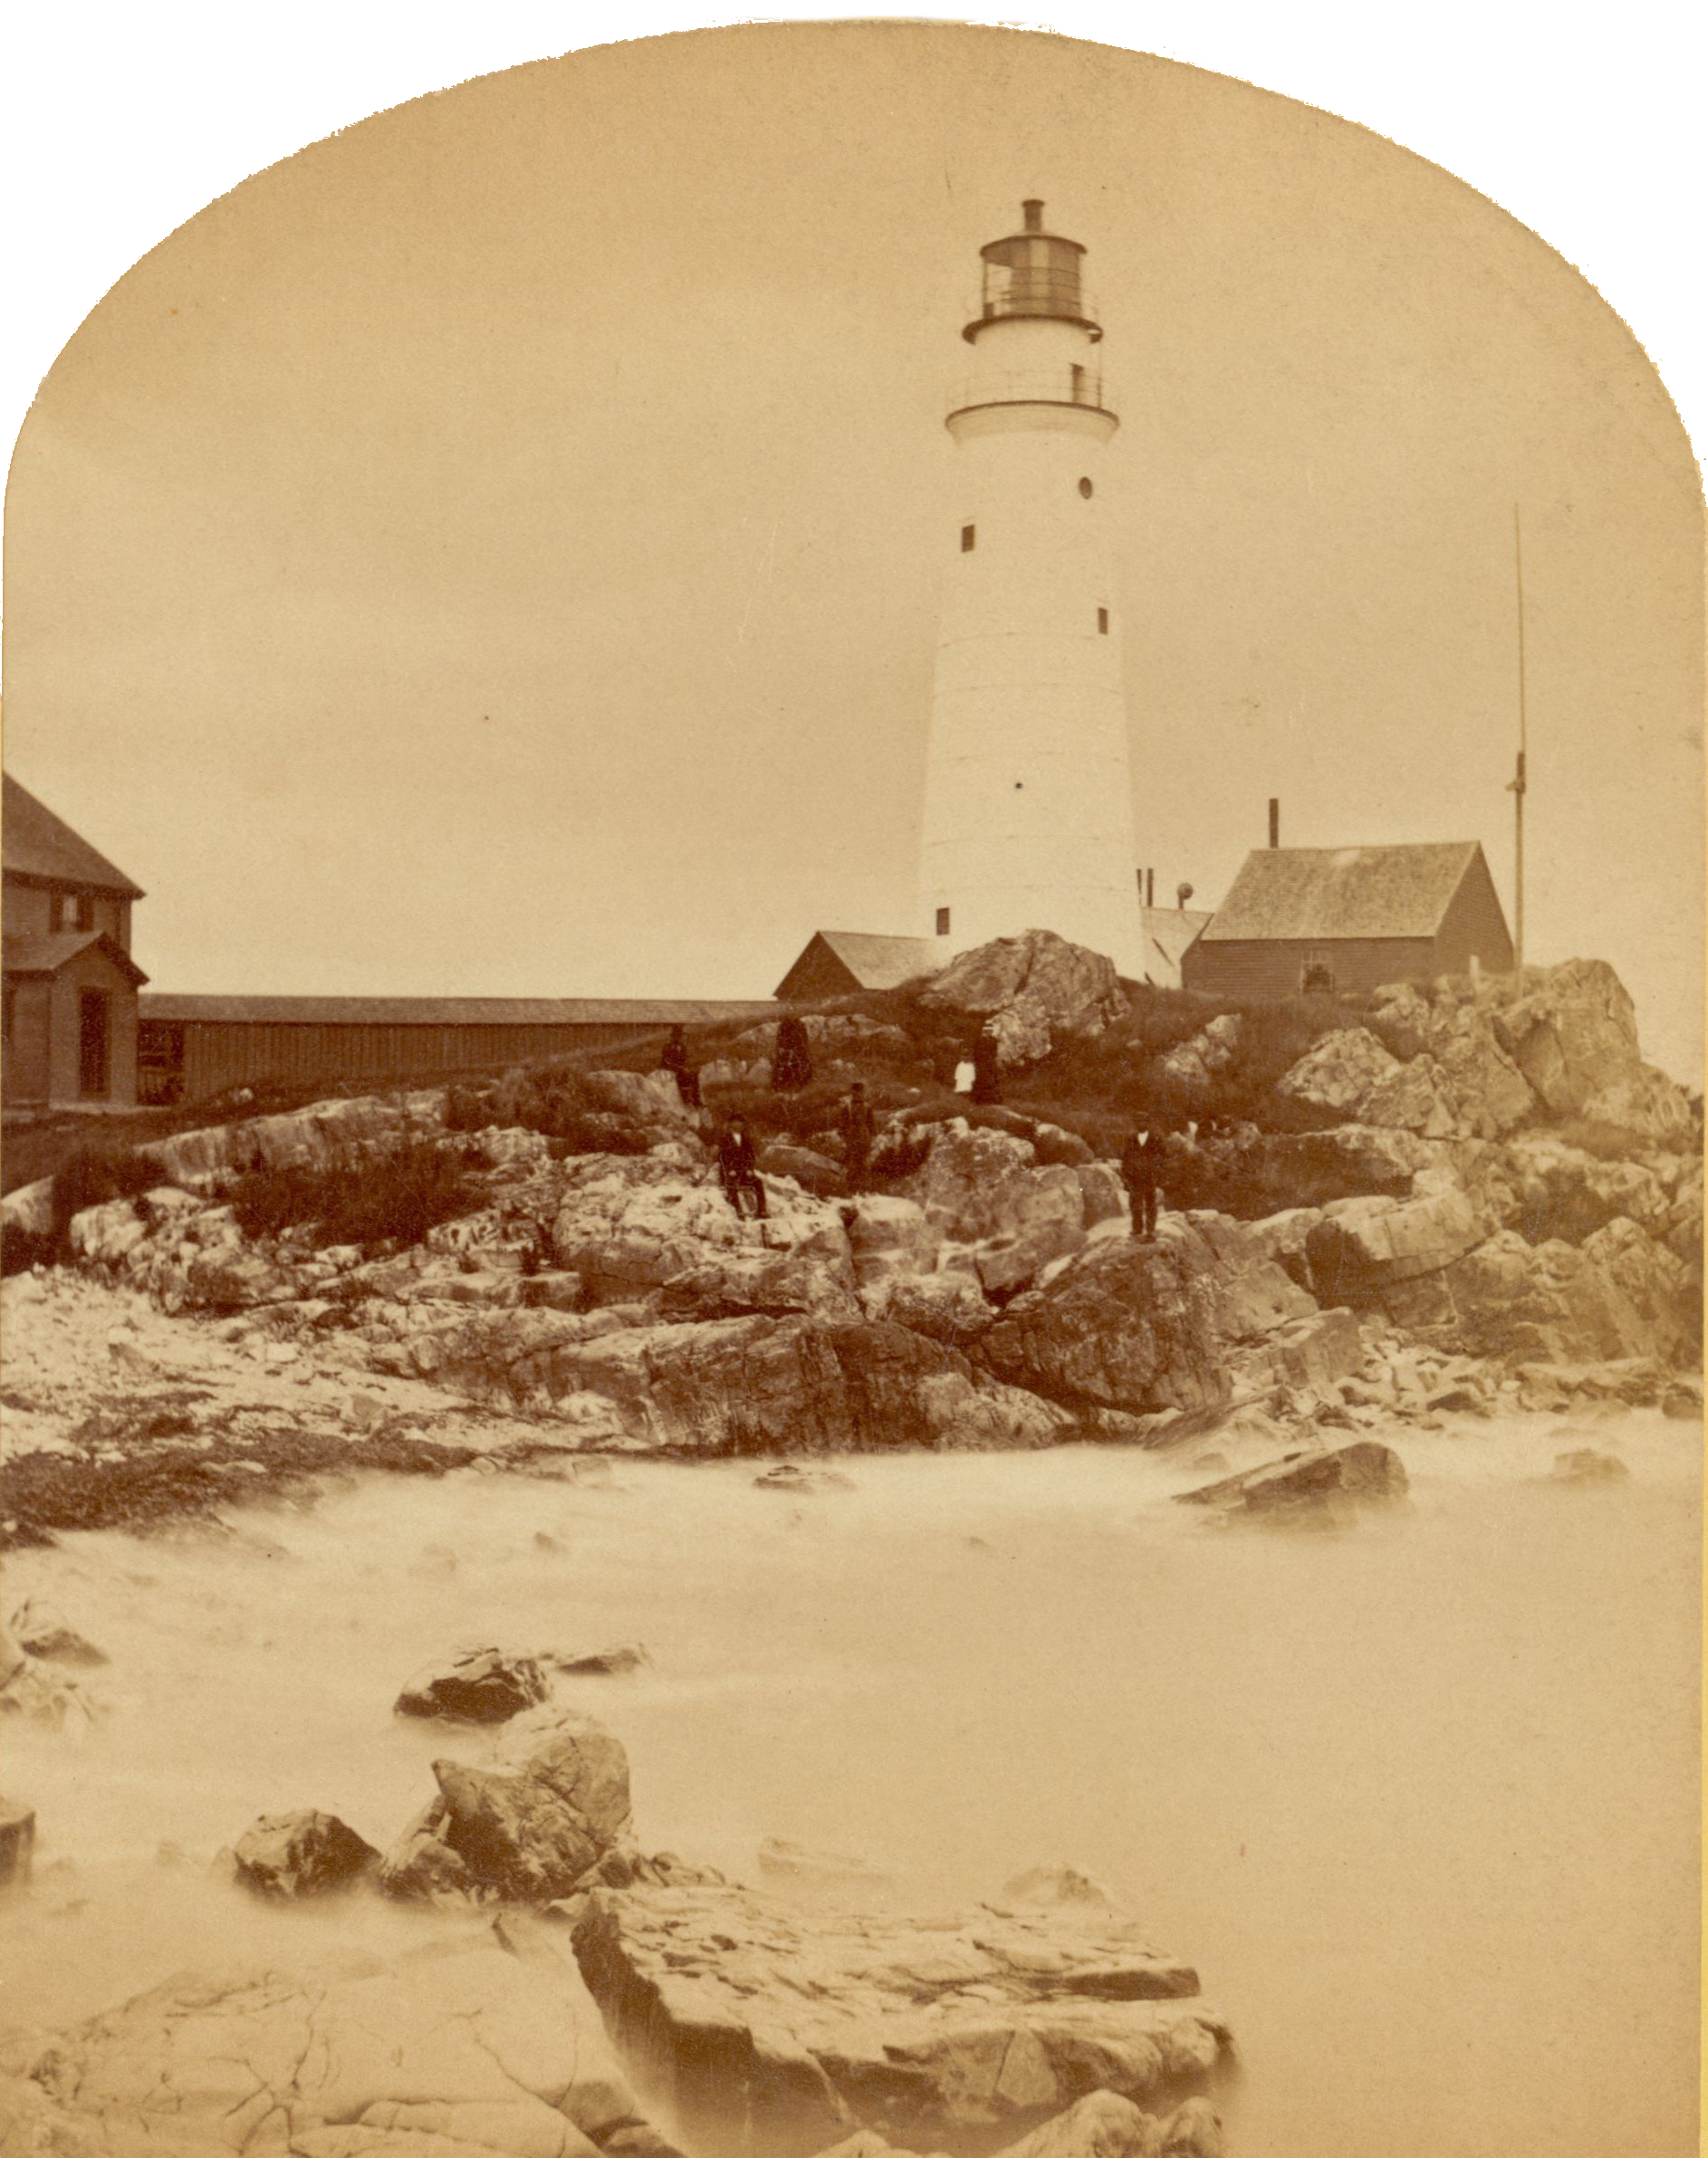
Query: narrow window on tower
x=943, y=921
x=1102, y=621
x=969, y=537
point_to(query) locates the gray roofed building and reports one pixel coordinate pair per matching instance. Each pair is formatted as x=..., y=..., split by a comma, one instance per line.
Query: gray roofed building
x=837, y=962
x=1170, y=933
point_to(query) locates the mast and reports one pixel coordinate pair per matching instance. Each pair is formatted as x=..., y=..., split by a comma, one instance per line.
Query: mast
x=1519, y=784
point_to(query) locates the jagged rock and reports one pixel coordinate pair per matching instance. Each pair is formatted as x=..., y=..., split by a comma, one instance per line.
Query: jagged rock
x=1101, y=2125
x=30, y=1687
x=889, y=1235
x=951, y=1308
x=1291, y=1169
x=40, y=1631
x=1573, y=1033
x=311, y=1137
x=1490, y=1095
x=1315, y=1484
x=1101, y=1191
x=1363, y=1251
x=1620, y=1294
x=744, y=1282
x=982, y=1190
x=471, y=2050
x=1068, y=992
x=1351, y=1076
x=527, y=1830
x=18, y=1842
x=1683, y=1400
x=287, y=1855
x=480, y=1685
x=1563, y=1192
x=815, y=1173
x=807, y=2025
x=1194, y=2132
x=1309, y=1355
x=1285, y=1238
x=1126, y=1326
x=644, y=1100
x=795, y=1477
x=1189, y=1070
x=1588, y=1464
x=1645, y=1103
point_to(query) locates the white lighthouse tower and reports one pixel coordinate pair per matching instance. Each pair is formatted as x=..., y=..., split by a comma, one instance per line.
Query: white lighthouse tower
x=1028, y=813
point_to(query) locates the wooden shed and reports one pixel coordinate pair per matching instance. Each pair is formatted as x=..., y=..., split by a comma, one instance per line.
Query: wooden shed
x=191, y=1047
x=837, y=962
x=1310, y=919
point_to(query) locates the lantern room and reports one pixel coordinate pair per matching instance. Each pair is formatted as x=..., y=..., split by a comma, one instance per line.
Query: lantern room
x=1033, y=274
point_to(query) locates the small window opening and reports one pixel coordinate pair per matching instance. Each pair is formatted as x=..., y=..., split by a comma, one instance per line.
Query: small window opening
x=1316, y=977
x=969, y=538
x=1086, y=489
x=943, y=921
x=1102, y=621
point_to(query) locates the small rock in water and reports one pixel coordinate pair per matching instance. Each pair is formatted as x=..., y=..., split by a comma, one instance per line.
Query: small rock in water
x=1683, y=1399
x=602, y=1663
x=42, y=1632
x=480, y=1686
x=1056, y=1885
x=1194, y=2132
x=284, y=1856
x=1588, y=1464
x=1310, y=1487
x=791, y=1476
x=805, y=1867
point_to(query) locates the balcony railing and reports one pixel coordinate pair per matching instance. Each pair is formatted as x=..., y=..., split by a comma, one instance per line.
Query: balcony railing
x=1045, y=386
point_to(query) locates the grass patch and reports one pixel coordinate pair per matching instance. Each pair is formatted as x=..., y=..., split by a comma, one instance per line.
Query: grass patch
x=397, y=1197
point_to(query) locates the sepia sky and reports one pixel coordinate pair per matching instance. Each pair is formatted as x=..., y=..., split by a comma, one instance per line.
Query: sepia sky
x=494, y=551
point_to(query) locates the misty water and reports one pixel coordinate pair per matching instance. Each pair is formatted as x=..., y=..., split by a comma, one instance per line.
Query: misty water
x=1417, y=1798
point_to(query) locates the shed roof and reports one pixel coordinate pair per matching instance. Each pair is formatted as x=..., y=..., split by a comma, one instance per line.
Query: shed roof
x=1173, y=930
x=47, y=955
x=1323, y=893
x=881, y=962
x=39, y=844
x=450, y=1011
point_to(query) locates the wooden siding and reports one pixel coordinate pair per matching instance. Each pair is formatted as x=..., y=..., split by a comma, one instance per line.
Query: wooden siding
x=1473, y=927
x=93, y=969
x=1256, y=971
x=28, y=1044
x=191, y=1060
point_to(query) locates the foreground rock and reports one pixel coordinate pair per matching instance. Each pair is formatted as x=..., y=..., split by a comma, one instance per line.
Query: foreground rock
x=1099, y=2125
x=529, y=1829
x=287, y=1855
x=462, y=2054
x=1033, y=992
x=802, y=2027
x=1321, y=1487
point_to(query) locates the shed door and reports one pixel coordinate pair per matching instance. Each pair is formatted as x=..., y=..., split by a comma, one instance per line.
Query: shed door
x=94, y=1029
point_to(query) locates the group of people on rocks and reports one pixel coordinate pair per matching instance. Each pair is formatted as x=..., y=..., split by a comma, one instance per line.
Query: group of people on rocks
x=738, y=1161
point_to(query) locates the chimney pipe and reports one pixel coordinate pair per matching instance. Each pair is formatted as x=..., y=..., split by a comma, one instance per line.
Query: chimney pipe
x=1182, y=892
x=1150, y=887
x=1274, y=820
x=1032, y=210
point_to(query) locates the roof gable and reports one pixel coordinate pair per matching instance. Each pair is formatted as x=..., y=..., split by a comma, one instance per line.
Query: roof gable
x=1319, y=894
x=39, y=844
x=885, y=962
x=48, y=954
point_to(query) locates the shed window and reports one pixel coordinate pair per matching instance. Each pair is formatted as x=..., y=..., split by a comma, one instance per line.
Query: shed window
x=1316, y=977
x=943, y=921
x=969, y=538
x=1102, y=621
x=71, y=910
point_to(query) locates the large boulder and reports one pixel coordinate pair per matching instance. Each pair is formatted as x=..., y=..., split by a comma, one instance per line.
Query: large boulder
x=1349, y=1075
x=1361, y=1250
x=468, y=2050
x=1189, y=1070
x=1563, y=1192
x=806, y=2025
x=284, y=1857
x=1490, y=1095
x=1253, y=1175
x=889, y=1235
x=1573, y=1032
x=982, y=1191
x=311, y=1138
x=1035, y=989
x=528, y=1829
x=740, y=1385
x=1125, y=1325
x=1618, y=1294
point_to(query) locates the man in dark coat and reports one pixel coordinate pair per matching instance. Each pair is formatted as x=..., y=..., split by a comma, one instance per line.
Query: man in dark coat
x=858, y=1129
x=676, y=1061
x=737, y=1170
x=1138, y=1173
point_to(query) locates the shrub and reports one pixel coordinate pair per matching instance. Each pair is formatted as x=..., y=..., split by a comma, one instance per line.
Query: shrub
x=901, y=1156
x=94, y=1174
x=395, y=1197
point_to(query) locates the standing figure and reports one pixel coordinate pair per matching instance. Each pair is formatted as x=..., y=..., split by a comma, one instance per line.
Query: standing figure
x=792, y=1060
x=1138, y=1173
x=675, y=1059
x=858, y=1129
x=738, y=1171
x=987, y=1070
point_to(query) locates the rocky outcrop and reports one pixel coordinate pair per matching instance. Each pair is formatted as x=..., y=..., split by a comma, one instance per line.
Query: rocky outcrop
x=1033, y=991
x=481, y=1685
x=311, y=1138
x=806, y=2026
x=1574, y=1036
x=285, y=1856
x=982, y=1191
x=1187, y=1073
x=1618, y=1294
x=473, y=2049
x=529, y=1828
x=1349, y=1075
x=1315, y=1486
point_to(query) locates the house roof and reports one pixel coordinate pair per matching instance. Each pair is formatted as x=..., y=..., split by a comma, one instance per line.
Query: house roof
x=450, y=1011
x=1173, y=930
x=47, y=955
x=880, y=962
x=41, y=845
x=1321, y=893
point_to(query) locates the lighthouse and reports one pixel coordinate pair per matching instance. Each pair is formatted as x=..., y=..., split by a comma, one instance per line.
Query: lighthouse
x=1028, y=812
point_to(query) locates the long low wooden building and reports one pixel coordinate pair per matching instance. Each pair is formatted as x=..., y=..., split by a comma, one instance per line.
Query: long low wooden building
x=192, y=1048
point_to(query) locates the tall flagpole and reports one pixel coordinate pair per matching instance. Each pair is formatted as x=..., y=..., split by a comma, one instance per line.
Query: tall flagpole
x=1520, y=782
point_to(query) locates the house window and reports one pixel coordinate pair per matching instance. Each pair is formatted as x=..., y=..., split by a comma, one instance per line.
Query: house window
x=71, y=910
x=1102, y=621
x=943, y=921
x=84, y=907
x=94, y=1037
x=969, y=537
x=1316, y=977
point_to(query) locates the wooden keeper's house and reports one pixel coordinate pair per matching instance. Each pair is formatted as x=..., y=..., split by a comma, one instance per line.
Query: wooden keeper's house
x=1304, y=920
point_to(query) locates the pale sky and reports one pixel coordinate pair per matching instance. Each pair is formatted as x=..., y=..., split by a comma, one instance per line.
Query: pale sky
x=495, y=549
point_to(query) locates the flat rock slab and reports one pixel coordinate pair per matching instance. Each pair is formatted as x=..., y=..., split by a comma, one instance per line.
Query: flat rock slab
x=785, y=2030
